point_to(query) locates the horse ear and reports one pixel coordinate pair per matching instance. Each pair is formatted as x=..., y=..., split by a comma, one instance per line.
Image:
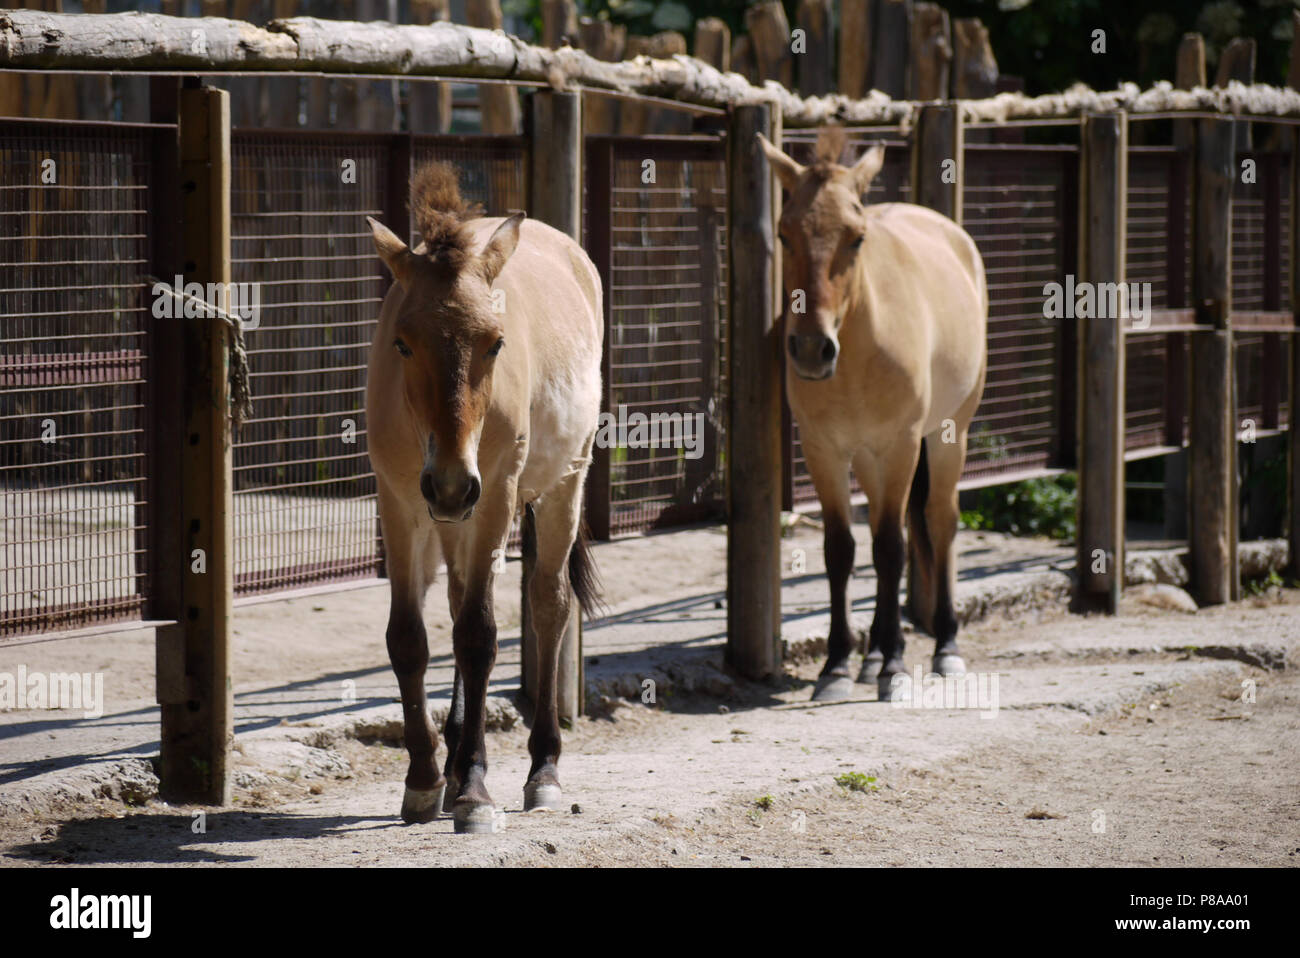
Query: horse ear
x=500, y=246
x=865, y=170
x=785, y=168
x=391, y=250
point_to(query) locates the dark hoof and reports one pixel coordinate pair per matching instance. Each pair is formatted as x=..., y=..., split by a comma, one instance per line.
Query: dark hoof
x=543, y=797
x=472, y=819
x=894, y=687
x=453, y=789
x=832, y=688
x=949, y=664
x=421, y=805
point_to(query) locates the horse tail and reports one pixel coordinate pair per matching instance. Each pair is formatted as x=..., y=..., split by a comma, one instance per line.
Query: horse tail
x=582, y=573
x=920, y=495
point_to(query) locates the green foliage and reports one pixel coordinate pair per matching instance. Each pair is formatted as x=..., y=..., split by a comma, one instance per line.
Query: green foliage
x=1035, y=507
x=857, y=782
x=764, y=802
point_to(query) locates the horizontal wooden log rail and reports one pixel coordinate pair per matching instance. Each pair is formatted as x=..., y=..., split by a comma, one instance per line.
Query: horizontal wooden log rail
x=147, y=42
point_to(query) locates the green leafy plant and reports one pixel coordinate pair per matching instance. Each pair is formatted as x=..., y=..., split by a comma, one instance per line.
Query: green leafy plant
x=1035, y=507
x=857, y=782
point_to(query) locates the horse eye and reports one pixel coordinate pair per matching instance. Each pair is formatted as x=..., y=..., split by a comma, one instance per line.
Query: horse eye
x=497, y=348
x=402, y=348
x=784, y=242
x=855, y=243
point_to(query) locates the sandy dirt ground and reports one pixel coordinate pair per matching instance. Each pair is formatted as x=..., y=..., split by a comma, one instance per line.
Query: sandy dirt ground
x=1108, y=747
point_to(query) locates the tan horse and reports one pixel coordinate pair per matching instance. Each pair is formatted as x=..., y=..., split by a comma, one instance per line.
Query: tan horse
x=885, y=348
x=483, y=396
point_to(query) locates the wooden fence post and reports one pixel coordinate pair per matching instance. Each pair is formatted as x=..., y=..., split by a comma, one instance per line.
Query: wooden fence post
x=194, y=655
x=555, y=195
x=938, y=161
x=1293, y=455
x=938, y=172
x=754, y=405
x=1100, y=537
x=600, y=185
x=1212, y=446
x=769, y=35
x=974, y=68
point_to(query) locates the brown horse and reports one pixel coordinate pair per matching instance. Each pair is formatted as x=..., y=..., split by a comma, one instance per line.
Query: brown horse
x=886, y=356
x=483, y=396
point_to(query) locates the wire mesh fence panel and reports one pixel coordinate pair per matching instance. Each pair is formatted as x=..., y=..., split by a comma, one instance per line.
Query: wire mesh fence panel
x=1016, y=206
x=891, y=185
x=74, y=309
x=305, y=501
x=493, y=171
x=1156, y=245
x=666, y=334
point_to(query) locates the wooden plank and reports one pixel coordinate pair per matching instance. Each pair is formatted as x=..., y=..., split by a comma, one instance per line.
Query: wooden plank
x=974, y=69
x=1212, y=447
x=816, y=58
x=713, y=43
x=1189, y=73
x=499, y=110
x=855, y=47
x=931, y=52
x=1100, y=540
x=559, y=23
x=754, y=408
x=429, y=104
x=555, y=191
x=604, y=41
x=1237, y=62
x=197, y=733
x=891, y=42
x=769, y=33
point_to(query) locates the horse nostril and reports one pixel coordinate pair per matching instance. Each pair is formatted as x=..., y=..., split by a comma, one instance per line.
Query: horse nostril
x=427, y=487
x=792, y=343
x=828, y=349
x=472, y=493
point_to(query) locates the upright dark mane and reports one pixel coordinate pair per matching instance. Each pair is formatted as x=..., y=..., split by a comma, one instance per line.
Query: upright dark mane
x=831, y=143
x=440, y=212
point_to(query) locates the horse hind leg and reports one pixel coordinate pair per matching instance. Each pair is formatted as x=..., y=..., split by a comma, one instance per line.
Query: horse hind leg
x=941, y=515
x=556, y=520
x=920, y=547
x=408, y=651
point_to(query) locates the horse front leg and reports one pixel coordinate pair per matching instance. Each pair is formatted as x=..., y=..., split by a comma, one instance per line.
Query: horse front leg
x=408, y=651
x=888, y=481
x=474, y=641
x=830, y=475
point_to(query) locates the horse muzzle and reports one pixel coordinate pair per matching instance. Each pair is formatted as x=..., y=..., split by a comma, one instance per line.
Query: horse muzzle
x=812, y=355
x=450, y=494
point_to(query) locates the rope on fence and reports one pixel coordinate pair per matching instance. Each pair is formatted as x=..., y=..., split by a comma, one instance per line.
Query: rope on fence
x=241, y=391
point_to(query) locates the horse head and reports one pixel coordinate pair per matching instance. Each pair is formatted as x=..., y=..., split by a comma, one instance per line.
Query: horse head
x=823, y=224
